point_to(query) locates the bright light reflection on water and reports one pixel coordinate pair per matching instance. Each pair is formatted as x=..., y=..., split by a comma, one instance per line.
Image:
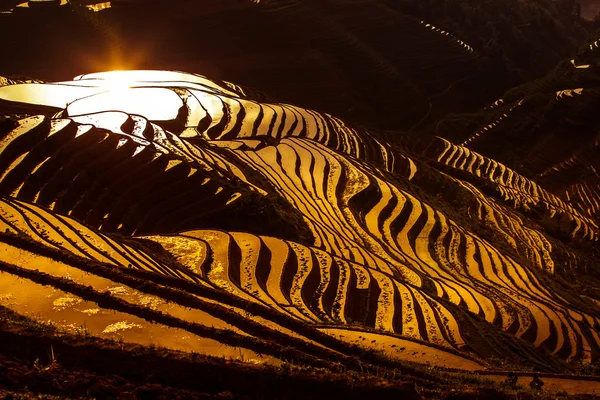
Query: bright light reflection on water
x=131, y=77
x=50, y=95
x=77, y=315
x=146, y=93
x=155, y=104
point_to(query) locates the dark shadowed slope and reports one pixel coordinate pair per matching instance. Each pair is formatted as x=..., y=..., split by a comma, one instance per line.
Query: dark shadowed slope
x=359, y=59
x=547, y=131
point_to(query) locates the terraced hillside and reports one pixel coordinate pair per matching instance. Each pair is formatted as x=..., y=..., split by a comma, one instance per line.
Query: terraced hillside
x=173, y=209
x=544, y=131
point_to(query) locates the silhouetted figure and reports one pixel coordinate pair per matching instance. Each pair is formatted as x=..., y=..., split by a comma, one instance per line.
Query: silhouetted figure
x=511, y=380
x=536, y=383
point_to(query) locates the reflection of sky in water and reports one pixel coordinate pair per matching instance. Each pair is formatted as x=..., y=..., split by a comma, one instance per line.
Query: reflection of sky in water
x=74, y=314
x=51, y=95
x=156, y=104
x=140, y=77
x=144, y=93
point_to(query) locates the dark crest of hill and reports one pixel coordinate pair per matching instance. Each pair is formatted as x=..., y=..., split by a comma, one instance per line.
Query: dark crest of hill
x=367, y=61
x=522, y=39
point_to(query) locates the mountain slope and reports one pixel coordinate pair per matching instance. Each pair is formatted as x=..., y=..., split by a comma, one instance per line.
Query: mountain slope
x=405, y=236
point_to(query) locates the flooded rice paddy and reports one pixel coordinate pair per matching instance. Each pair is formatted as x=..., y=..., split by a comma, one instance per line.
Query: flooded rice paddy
x=76, y=315
x=132, y=164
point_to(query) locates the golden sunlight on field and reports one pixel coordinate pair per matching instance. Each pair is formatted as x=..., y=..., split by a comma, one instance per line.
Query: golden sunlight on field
x=148, y=154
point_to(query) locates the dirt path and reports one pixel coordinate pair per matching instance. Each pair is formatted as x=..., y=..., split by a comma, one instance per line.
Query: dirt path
x=412, y=351
x=572, y=385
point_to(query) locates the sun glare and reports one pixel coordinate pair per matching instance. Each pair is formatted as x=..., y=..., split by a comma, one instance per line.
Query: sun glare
x=156, y=104
x=119, y=80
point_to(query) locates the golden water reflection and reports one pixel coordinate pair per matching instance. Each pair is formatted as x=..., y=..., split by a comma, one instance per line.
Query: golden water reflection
x=133, y=78
x=155, y=104
x=77, y=315
x=49, y=95
x=150, y=94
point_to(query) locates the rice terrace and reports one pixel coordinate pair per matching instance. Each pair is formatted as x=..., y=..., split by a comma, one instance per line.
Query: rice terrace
x=299, y=199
